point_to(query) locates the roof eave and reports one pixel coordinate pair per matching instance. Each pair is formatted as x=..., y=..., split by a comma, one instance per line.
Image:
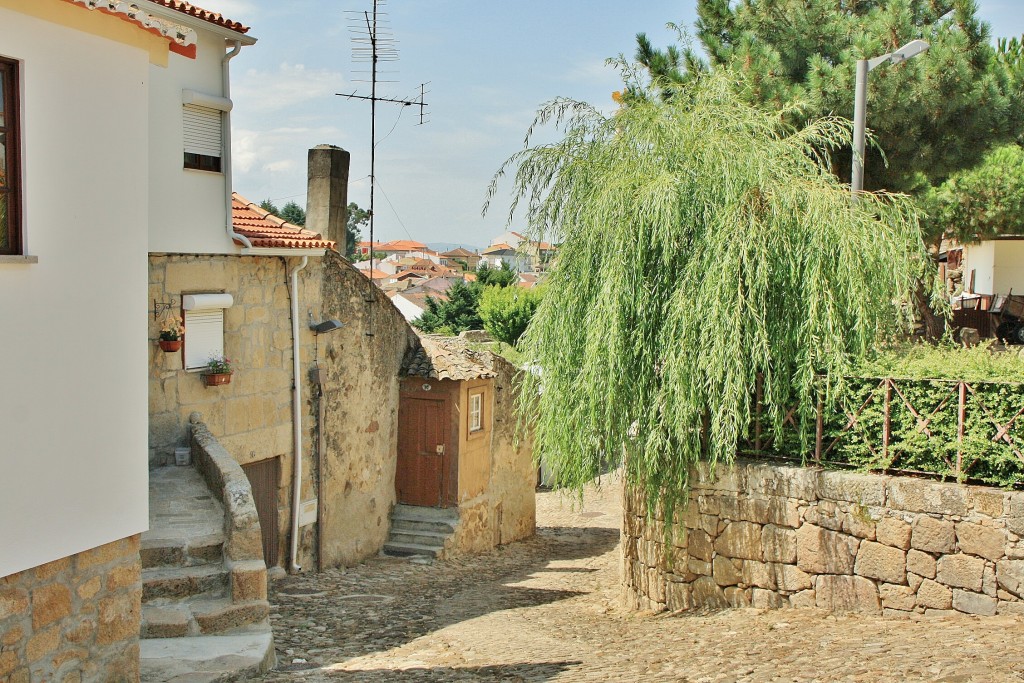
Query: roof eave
x=282, y=251
x=196, y=23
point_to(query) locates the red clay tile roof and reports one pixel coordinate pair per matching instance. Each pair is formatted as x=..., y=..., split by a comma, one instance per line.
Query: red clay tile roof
x=375, y=274
x=495, y=248
x=402, y=245
x=461, y=251
x=267, y=231
x=205, y=15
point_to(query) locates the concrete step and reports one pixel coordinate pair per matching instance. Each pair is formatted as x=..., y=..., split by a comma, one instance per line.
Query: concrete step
x=417, y=525
x=200, y=616
x=184, y=582
x=425, y=514
x=242, y=655
x=427, y=538
x=409, y=549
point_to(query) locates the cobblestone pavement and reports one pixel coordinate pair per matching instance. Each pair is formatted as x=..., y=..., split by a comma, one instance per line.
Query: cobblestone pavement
x=548, y=609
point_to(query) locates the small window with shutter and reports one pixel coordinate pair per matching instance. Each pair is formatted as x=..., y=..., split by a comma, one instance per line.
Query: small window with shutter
x=203, y=135
x=204, y=327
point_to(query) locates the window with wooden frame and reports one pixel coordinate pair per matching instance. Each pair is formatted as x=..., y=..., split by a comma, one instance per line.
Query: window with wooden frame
x=476, y=412
x=10, y=160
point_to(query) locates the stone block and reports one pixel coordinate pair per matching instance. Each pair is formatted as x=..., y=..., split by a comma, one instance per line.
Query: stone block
x=932, y=595
x=737, y=597
x=897, y=597
x=1005, y=607
x=988, y=503
x=1010, y=576
x=249, y=581
x=877, y=561
x=700, y=567
x=740, y=540
x=961, y=571
x=792, y=579
x=859, y=523
x=8, y=662
x=677, y=596
x=988, y=581
x=104, y=554
x=700, y=545
x=42, y=644
x=763, y=599
x=778, y=544
x=709, y=523
x=13, y=601
x=804, y=599
x=1015, y=518
x=921, y=563
x=915, y=495
x=893, y=531
x=759, y=574
x=933, y=535
x=124, y=576
x=704, y=592
x=11, y=636
x=50, y=603
x=783, y=512
x=820, y=551
x=82, y=632
x=973, y=603
x=864, y=489
x=49, y=570
x=119, y=618
x=725, y=571
x=825, y=514
x=984, y=541
x=914, y=580
x=846, y=594
x=710, y=505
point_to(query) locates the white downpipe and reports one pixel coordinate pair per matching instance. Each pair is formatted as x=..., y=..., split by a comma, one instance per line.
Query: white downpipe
x=296, y=415
x=228, y=178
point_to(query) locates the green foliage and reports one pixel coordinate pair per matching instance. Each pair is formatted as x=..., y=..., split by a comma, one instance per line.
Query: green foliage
x=357, y=218
x=506, y=311
x=458, y=314
x=726, y=249
x=496, y=277
x=269, y=207
x=945, y=361
x=983, y=202
x=293, y=213
x=931, y=116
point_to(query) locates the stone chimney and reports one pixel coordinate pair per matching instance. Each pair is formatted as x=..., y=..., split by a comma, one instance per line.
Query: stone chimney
x=327, y=193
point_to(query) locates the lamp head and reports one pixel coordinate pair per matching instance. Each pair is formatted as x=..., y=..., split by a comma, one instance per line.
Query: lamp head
x=911, y=49
x=326, y=326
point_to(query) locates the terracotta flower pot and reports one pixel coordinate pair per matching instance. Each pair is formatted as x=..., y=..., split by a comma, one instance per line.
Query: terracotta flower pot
x=213, y=380
x=171, y=345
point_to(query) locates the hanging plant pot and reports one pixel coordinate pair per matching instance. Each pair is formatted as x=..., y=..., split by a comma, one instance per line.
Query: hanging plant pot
x=214, y=380
x=170, y=346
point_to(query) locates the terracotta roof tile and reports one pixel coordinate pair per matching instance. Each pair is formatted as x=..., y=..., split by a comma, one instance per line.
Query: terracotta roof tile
x=448, y=358
x=402, y=245
x=495, y=248
x=205, y=15
x=266, y=230
x=461, y=251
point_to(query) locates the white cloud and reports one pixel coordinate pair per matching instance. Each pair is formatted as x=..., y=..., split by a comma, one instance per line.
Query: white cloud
x=279, y=166
x=290, y=85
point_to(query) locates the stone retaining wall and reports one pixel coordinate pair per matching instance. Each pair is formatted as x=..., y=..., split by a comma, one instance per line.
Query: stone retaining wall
x=771, y=536
x=74, y=619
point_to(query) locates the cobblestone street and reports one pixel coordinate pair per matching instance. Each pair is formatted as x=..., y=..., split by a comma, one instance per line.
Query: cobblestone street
x=548, y=610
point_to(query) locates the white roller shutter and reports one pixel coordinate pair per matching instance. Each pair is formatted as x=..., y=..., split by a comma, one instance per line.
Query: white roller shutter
x=203, y=130
x=204, y=336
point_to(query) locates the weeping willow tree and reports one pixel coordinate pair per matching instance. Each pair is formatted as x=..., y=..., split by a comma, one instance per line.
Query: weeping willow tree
x=704, y=244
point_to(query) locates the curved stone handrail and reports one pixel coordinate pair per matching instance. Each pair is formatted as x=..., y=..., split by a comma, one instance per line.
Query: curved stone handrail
x=224, y=476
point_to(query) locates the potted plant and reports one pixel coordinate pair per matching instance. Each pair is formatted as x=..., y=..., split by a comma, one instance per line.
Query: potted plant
x=218, y=371
x=172, y=333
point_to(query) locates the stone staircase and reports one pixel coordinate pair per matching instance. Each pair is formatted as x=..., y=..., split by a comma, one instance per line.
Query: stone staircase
x=204, y=615
x=420, y=530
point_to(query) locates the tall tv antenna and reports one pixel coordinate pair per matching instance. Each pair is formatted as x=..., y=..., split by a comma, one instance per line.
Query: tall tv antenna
x=373, y=43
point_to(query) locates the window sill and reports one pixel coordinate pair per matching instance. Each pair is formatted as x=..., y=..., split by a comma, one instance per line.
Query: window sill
x=18, y=259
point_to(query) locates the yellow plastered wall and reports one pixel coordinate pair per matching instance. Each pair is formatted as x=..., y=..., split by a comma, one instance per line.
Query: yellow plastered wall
x=475, y=447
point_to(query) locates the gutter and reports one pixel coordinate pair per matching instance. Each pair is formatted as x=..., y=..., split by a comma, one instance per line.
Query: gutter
x=229, y=224
x=296, y=415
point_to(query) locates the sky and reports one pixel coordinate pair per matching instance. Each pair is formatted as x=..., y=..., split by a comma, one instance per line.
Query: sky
x=488, y=67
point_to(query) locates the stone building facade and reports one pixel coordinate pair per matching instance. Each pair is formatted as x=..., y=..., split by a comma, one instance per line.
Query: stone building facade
x=770, y=536
x=74, y=619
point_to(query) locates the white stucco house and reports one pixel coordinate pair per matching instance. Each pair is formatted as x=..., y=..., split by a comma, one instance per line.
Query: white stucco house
x=994, y=266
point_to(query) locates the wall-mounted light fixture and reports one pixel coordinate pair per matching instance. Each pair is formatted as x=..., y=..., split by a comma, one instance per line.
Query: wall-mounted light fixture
x=326, y=326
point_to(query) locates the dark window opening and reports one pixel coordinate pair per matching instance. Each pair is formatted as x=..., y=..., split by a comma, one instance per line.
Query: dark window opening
x=202, y=162
x=10, y=160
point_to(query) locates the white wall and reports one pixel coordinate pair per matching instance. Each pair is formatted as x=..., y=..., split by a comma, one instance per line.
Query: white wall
x=408, y=309
x=195, y=225
x=979, y=258
x=73, y=394
x=1008, y=268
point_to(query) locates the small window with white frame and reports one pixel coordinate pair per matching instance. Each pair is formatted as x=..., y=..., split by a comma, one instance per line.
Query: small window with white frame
x=204, y=327
x=476, y=412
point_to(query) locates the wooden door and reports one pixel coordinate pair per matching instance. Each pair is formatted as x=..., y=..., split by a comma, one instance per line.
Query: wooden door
x=424, y=425
x=265, y=480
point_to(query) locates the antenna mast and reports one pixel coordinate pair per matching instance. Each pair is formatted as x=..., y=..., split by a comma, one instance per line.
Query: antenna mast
x=373, y=43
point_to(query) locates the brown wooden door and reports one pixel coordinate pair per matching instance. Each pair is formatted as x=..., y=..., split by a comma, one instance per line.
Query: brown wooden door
x=265, y=480
x=423, y=428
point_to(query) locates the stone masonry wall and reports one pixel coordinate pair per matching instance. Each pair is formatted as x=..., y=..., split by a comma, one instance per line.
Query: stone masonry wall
x=770, y=536
x=74, y=620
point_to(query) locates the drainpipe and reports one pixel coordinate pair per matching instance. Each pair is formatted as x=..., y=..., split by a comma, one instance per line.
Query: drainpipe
x=296, y=415
x=226, y=161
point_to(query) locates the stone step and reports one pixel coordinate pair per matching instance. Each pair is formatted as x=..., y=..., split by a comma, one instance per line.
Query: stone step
x=200, y=616
x=203, y=659
x=417, y=525
x=427, y=538
x=184, y=582
x=425, y=514
x=409, y=549
x=165, y=551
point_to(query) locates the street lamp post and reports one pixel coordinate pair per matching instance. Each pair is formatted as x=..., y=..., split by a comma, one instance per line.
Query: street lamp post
x=860, y=105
